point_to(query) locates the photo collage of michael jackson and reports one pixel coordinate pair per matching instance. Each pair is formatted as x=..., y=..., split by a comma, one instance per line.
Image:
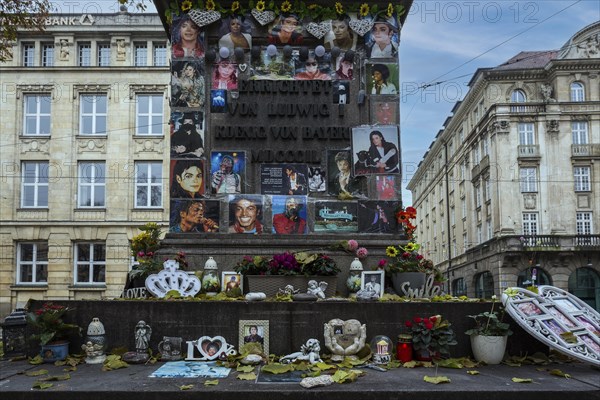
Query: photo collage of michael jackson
x=355, y=189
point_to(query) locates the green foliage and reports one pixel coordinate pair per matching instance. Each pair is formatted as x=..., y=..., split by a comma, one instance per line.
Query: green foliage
x=490, y=323
x=49, y=325
x=301, y=263
x=433, y=334
x=19, y=14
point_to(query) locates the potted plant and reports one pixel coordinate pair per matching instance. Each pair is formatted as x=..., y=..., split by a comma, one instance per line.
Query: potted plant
x=406, y=265
x=490, y=335
x=51, y=330
x=431, y=337
x=143, y=247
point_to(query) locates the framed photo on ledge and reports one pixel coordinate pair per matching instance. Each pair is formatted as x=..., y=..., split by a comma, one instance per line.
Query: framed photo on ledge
x=373, y=281
x=231, y=280
x=254, y=331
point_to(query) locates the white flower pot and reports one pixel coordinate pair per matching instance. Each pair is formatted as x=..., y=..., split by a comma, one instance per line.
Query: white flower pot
x=489, y=349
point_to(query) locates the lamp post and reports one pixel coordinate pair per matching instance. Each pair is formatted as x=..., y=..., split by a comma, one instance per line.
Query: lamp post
x=13, y=334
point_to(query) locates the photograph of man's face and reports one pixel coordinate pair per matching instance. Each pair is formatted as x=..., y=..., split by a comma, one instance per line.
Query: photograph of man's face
x=245, y=214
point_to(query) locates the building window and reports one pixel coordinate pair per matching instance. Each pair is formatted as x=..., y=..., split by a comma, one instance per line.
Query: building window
x=160, y=55
x=461, y=137
x=92, y=114
x=465, y=242
x=528, y=180
x=141, y=55
x=463, y=170
x=577, y=91
x=104, y=55
x=90, y=263
x=488, y=224
x=450, y=148
x=484, y=285
x=479, y=234
x=37, y=114
x=92, y=184
x=459, y=288
x=476, y=154
x=485, y=146
x=477, y=190
x=28, y=54
x=518, y=96
x=148, y=184
x=526, y=136
x=451, y=182
x=149, y=114
x=581, y=176
x=34, y=184
x=487, y=189
x=32, y=263
x=579, y=129
x=584, y=223
x=452, y=216
x=85, y=54
x=530, y=224
x=47, y=55
x=463, y=203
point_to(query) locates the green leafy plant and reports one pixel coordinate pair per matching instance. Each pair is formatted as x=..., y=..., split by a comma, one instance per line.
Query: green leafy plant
x=431, y=333
x=490, y=323
x=288, y=263
x=49, y=324
x=143, y=247
x=317, y=264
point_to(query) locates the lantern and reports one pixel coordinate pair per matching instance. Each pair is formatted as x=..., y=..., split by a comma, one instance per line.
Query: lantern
x=210, y=279
x=353, y=281
x=13, y=334
x=404, y=348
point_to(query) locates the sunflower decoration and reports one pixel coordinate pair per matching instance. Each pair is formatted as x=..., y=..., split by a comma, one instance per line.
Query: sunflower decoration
x=235, y=6
x=210, y=5
x=260, y=6
x=339, y=8
x=392, y=251
x=390, y=10
x=364, y=10
x=312, y=6
x=286, y=6
x=186, y=5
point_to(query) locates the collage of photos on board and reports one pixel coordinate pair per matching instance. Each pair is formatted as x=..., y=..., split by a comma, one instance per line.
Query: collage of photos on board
x=354, y=189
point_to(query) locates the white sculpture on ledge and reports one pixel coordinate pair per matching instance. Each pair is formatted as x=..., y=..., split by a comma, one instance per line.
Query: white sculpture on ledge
x=344, y=338
x=170, y=278
x=308, y=352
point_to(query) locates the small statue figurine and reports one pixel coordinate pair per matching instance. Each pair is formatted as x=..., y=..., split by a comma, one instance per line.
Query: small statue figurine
x=94, y=352
x=288, y=290
x=344, y=338
x=308, y=352
x=317, y=289
x=143, y=332
x=367, y=294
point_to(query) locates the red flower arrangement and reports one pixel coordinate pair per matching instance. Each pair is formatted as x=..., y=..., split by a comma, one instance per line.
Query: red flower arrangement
x=432, y=334
x=405, y=218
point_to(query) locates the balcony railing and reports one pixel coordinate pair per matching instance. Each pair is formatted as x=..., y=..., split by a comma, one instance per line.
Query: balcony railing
x=527, y=109
x=540, y=241
x=529, y=150
x=585, y=150
x=586, y=241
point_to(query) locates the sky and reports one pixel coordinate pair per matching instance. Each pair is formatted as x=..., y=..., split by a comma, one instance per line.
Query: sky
x=446, y=41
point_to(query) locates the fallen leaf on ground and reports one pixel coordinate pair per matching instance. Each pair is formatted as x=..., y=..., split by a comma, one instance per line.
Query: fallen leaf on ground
x=436, y=379
x=522, y=380
x=42, y=385
x=37, y=373
x=186, y=387
x=245, y=368
x=473, y=372
x=277, y=368
x=37, y=360
x=251, y=376
x=57, y=378
x=410, y=364
x=213, y=382
x=558, y=372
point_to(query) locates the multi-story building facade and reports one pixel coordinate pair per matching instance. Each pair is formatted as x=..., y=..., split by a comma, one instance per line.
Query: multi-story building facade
x=84, y=153
x=508, y=192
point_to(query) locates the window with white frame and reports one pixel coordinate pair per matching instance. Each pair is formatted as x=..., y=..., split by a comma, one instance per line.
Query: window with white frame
x=140, y=54
x=584, y=223
x=463, y=170
x=92, y=114
x=103, y=54
x=451, y=182
x=485, y=146
x=526, y=136
x=463, y=206
x=577, y=91
x=149, y=114
x=452, y=216
x=476, y=154
x=28, y=54
x=461, y=137
x=518, y=96
x=85, y=54
x=92, y=184
x=581, y=176
x=34, y=184
x=487, y=187
x=477, y=190
x=32, y=263
x=488, y=224
x=159, y=54
x=479, y=234
x=48, y=55
x=579, y=130
x=90, y=263
x=36, y=115
x=148, y=184
x=465, y=241
x=528, y=179
x=530, y=224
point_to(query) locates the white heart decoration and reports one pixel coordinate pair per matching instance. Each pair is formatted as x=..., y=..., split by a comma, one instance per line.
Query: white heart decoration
x=204, y=17
x=216, y=339
x=263, y=17
x=320, y=29
x=243, y=67
x=361, y=26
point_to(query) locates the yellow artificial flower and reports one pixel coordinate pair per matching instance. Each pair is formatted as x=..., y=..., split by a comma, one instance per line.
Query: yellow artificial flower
x=390, y=10
x=260, y=6
x=312, y=6
x=286, y=6
x=410, y=247
x=235, y=6
x=186, y=5
x=210, y=5
x=391, y=251
x=364, y=9
x=339, y=8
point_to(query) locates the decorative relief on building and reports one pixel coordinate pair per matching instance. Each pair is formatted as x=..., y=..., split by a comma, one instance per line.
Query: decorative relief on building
x=121, y=49
x=546, y=93
x=96, y=145
x=133, y=89
x=581, y=117
x=64, y=50
x=529, y=201
x=552, y=127
x=499, y=127
x=35, y=146
x=144, y=145
x=583, y=201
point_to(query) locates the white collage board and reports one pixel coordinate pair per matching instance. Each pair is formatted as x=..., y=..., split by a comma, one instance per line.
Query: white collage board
x=558, y=319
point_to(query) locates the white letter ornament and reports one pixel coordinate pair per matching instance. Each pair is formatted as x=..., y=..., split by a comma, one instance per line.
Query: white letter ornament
x=170, y=278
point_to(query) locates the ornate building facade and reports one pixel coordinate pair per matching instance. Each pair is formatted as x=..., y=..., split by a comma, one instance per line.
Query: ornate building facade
x=84, y=154
x=508, y=192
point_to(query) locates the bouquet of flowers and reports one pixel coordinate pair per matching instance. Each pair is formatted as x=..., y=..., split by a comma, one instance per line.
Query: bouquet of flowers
x=432, y=334
x=48, y=322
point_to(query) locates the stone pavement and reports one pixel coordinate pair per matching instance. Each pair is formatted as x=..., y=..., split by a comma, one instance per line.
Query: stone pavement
x=89, y=382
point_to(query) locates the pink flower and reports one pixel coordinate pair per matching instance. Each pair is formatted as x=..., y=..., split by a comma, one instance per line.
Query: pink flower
x=361, y=252
x=419, y=257
x=352, y=245
x=381, y=263
x=140, y=254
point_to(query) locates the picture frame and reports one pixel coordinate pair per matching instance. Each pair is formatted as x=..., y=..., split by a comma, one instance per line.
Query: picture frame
x=368, y=143
x=262, y=331
x=231, y=280
x=374, y=280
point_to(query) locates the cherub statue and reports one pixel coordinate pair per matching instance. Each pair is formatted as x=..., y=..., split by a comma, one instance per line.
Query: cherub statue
x=288, y=290
x=317, y=289
x=94, y=352
x=308, y=352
